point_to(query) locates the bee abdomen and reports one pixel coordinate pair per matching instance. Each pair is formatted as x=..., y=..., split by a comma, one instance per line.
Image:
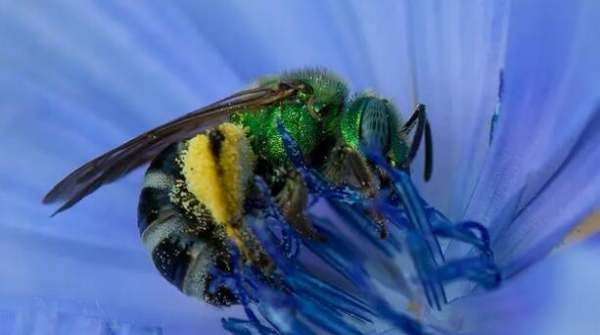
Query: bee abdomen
x=158, y=181
x=182, y=246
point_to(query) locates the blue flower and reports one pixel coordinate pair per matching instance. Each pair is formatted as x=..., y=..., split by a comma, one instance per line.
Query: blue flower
x=79, y=78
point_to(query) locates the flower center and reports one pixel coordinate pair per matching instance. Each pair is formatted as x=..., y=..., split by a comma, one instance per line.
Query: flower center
x=357, y=282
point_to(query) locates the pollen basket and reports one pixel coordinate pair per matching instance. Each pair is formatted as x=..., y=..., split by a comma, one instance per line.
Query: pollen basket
x=217, y=167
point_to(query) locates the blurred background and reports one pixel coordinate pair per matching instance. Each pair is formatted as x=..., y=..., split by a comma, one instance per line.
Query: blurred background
x=78, y=78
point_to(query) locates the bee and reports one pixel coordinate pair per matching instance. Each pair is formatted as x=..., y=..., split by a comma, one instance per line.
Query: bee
x=202, y=166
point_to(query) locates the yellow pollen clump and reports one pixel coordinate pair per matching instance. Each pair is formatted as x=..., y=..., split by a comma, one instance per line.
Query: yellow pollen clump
x=219, y=182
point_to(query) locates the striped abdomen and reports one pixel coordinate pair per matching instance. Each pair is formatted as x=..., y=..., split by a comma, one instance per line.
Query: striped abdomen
x=191, y=206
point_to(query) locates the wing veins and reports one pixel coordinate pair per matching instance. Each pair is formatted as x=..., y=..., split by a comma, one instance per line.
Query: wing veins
x=123, y=159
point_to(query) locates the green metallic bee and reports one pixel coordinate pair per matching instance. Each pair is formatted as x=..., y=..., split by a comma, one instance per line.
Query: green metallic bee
x=202, y=165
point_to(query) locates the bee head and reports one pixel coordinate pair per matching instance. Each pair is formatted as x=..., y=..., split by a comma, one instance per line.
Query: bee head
x=367, y=124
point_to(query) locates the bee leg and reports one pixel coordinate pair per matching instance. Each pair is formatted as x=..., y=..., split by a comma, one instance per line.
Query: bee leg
x=346, y=166
x=380, y=222
x=292, y=200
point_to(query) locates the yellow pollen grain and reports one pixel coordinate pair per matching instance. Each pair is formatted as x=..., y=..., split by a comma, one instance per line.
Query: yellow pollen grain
x=219, y=183
x=236, y=161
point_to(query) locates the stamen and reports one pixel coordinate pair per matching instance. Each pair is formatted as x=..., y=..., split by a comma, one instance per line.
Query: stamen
x=294, y=300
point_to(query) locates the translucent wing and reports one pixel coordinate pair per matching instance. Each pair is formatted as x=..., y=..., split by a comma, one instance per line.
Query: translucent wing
x=121, y=160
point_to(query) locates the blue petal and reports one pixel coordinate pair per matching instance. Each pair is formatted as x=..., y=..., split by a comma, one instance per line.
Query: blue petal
x=109, y=288
x=541, y=176
x=455, y=53
x=560, y=295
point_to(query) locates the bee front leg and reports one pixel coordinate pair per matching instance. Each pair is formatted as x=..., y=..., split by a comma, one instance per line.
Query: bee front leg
x=292, y=200
x=346, y=166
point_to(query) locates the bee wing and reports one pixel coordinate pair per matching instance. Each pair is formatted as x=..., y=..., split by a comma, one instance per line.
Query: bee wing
x=121, y=160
